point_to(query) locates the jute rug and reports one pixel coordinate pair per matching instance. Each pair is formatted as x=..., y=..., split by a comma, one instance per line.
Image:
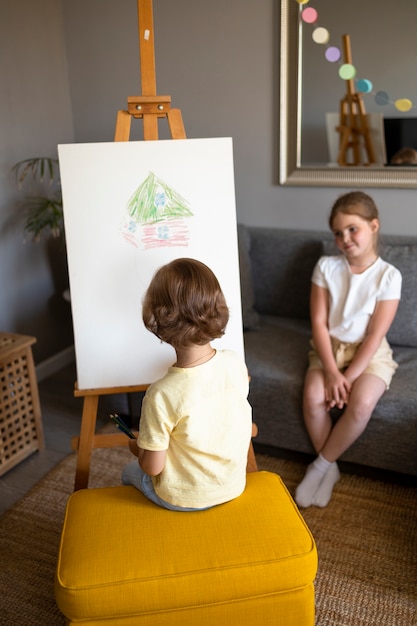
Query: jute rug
x=366, y=540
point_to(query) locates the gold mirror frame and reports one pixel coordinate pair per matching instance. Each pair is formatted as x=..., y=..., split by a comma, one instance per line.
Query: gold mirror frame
x=291, y=172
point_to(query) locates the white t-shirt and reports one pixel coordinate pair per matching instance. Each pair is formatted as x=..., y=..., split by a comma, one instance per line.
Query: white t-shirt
x=202, y=418
x=353, y=297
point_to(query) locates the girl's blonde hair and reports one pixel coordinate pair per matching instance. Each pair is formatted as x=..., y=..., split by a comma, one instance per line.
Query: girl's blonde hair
x=184, y=304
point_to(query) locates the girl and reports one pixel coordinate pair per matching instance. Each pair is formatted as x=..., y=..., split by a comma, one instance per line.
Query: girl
x=196, y=422
x=354, y=299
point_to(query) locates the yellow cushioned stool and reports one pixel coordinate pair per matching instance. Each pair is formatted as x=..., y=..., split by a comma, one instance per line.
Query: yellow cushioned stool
x=124, y=560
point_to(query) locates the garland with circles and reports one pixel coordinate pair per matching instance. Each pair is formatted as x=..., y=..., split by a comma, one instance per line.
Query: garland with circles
x=347, y=71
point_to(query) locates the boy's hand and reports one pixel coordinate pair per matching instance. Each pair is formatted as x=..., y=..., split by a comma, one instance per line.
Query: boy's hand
x=134, y=447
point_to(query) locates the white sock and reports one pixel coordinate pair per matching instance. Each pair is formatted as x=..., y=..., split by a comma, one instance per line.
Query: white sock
x=306, y=490
x=325, y=490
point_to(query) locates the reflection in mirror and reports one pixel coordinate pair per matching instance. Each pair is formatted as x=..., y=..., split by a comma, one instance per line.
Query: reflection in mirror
x=311, y=88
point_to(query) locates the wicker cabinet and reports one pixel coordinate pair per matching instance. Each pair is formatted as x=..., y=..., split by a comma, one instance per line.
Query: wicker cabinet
x=21, y=431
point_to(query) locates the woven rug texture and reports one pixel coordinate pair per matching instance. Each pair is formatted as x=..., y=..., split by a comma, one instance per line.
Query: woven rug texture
x=366, y=540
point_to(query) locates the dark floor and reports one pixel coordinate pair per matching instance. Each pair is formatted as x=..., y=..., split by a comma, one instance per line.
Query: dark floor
x=61, y=418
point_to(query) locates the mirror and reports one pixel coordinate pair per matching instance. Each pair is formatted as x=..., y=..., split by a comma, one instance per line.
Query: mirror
x=296, y=92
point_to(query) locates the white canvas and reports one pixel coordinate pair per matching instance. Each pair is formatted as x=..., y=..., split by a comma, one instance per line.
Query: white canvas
x=184, y=191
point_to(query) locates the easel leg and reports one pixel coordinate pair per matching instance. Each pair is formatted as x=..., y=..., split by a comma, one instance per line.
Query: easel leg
x=176, y=125
x=88, y=427
x=123, y=123
x=150, y=127
x=252, y=466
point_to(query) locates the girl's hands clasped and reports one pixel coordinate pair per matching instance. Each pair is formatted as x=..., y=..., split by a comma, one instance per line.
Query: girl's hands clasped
x=337, y=390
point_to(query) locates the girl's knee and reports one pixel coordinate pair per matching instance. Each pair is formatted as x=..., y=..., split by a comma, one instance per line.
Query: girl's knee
x=313, y=399
x=360, y=413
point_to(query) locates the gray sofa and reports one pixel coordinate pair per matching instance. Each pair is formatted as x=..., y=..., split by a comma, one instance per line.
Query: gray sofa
x=276, y=267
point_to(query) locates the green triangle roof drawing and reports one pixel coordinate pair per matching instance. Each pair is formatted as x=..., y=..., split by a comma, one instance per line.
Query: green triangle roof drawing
x=148, y=205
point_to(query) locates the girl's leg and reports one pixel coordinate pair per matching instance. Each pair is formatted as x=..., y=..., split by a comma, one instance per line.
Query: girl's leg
x=366, y=391
x=319, y=425
x=317, y=419
x=325, y=489
x=321, y=476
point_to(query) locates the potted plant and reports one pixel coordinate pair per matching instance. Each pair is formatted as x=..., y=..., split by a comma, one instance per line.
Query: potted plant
x=43, y=209
x=42, y=205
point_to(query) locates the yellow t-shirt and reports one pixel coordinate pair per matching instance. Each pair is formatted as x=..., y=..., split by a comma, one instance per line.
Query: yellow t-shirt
x=202, y=418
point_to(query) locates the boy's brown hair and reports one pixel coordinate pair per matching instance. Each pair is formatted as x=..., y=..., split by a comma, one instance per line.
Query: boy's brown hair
x=405, y=156
x=184, y=304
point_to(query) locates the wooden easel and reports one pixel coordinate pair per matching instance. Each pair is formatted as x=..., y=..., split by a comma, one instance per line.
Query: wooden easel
x=150, y=108
x=353, y=127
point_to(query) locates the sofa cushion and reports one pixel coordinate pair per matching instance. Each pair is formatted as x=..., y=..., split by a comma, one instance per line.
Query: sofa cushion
x=403, y=331
x=282, y=265
x=249, y=315
x=277, y=359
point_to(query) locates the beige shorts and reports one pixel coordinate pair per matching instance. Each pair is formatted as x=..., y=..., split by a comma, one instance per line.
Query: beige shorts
x=382, y=364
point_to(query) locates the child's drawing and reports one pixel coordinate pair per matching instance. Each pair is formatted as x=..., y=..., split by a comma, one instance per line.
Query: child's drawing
x=157, y=216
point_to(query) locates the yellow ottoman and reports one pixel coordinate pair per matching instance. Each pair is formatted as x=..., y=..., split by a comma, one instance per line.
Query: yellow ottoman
x=123, y=560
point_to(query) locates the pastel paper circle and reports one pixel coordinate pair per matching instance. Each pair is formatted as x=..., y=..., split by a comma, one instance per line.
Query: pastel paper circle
x=309, y=15
x=347, y=71
x=332, y=54
x=404, y=104
x=364, y=85
x=382, y=98
x=320, y=35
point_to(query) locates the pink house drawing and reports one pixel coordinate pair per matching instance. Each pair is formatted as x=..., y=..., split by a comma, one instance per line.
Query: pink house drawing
x=158, y=216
